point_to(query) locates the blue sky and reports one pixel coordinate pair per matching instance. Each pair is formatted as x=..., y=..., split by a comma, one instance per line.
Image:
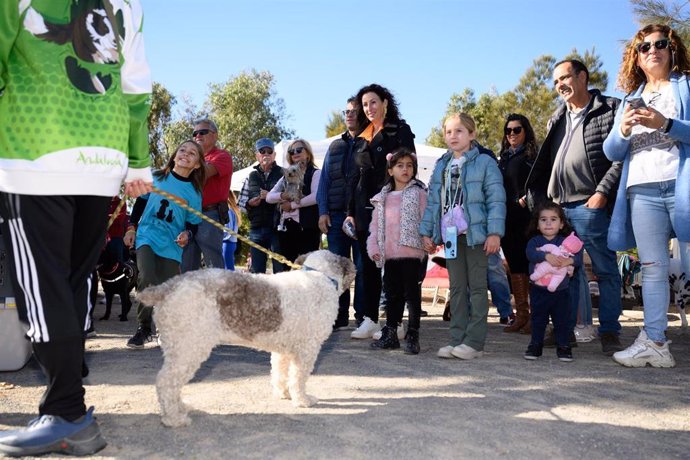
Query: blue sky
x=321, y=52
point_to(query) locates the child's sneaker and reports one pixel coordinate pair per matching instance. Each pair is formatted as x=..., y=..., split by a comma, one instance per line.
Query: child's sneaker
x=533, y=352
x=564, y=354
x=400, y=330
x=446, y=352
x=466, y=352
x=644, y=351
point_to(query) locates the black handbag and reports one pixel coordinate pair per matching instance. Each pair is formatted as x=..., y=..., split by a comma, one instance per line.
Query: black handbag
x=223, y=210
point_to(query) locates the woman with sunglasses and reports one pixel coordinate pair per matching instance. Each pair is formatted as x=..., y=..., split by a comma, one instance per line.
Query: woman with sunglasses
x=300, y=233
x=651, y=136
x=384, y=132
x=518, y=150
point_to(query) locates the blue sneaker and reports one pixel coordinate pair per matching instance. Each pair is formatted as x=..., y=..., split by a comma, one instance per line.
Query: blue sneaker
x=52, y=434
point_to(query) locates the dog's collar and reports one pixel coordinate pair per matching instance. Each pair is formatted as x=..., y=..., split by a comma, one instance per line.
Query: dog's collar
x=113, y=280
x=333, y=280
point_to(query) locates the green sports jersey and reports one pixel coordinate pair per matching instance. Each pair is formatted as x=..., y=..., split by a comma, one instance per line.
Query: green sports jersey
x=75, y=96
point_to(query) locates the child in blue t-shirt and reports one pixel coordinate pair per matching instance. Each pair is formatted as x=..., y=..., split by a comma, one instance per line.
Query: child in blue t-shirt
x=162, y=228
x=549, y=226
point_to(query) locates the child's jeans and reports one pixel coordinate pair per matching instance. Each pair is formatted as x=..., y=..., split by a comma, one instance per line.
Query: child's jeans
x=555, y=304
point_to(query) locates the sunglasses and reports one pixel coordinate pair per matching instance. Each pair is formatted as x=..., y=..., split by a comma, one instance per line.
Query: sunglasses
x=516, y=130
x=266, y=152
x=349, y=112
x=200, y=132
x=295, y=151
x=662, y=44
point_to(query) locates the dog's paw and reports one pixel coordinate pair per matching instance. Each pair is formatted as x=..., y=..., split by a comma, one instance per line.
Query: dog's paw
x=176, y=421
x=279, y=393
x=304, y=401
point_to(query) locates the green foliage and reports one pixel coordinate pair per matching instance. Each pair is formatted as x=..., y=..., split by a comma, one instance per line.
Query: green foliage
x=246, y=108
x=533, y=97
x=335, y=124
x=674, y=13
x=159, y=118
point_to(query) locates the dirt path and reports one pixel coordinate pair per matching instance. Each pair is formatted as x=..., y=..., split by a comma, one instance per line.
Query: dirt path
x=387, y=405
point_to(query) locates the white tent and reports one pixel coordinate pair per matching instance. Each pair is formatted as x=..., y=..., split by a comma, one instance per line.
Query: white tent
x=426, y=158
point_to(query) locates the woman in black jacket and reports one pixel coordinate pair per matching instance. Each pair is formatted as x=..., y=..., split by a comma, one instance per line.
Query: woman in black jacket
x=518, y=150
x=385, y=131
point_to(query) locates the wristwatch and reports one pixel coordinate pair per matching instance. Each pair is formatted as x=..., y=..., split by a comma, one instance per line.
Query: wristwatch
x=666, y=127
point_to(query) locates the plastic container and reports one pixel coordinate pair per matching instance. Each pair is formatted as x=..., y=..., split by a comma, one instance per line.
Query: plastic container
x=15, y=349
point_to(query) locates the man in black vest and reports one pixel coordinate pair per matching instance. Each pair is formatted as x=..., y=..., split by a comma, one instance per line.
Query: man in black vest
x=572, y=170
x=262, y=215
x=332, y=199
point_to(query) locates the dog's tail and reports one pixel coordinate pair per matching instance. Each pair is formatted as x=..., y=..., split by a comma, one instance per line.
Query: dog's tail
x=153, y=295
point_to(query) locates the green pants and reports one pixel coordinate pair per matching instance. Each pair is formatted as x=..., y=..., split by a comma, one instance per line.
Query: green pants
x=153, y=270
x=468, y=272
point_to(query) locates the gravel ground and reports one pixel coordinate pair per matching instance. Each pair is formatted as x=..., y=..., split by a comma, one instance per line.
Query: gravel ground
x=385, y=404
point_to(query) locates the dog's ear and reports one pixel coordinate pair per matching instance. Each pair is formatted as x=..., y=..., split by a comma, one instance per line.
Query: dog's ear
x=300, y=259
x=348, y=270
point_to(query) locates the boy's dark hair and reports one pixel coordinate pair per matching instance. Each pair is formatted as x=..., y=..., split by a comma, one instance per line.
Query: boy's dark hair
x=533, y=229
x=397, y=155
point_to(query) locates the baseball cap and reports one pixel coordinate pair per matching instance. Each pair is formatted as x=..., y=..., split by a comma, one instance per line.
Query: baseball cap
x=263, y=143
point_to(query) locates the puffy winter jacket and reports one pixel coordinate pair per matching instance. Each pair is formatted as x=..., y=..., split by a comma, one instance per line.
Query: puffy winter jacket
x=483, y=198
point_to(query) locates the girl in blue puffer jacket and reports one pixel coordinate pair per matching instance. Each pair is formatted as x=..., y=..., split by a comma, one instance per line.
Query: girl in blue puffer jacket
x=465, y=210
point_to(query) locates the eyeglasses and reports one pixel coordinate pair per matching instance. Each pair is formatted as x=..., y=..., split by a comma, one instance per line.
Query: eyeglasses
x=266, y=151
x=295, y=151
x=349, y=112
x=662, y=44
x=516, y=130
x=200, y=132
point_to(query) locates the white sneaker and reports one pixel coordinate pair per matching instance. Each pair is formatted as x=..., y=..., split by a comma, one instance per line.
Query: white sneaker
x=365, y=330
x=445, y=352
x=466, y=352
x=584, y=334
x=400, y=330
x=644, y=351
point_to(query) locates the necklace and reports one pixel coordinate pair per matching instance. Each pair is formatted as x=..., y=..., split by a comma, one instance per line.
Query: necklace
x=649, y=88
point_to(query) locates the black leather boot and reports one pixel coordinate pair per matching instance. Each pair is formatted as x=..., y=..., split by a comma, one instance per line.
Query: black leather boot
x=388, y=340
x=412, y=342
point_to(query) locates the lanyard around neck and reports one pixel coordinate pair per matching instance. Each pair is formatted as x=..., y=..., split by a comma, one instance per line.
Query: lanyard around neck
x=461, y=162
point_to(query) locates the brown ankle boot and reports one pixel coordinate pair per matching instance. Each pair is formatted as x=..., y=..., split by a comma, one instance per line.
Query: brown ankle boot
x=520, y=285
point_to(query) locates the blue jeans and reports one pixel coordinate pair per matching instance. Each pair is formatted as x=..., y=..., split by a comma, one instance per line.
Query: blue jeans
x=268, y=238
x=229, y=248
x=498, y=285
x=592, y=226
x=584, y=307
x=341, y=244
x=652, y=210
x=545, y=304
x=207, y=241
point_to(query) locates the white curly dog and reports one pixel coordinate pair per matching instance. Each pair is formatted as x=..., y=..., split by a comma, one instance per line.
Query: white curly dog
x=289, y=314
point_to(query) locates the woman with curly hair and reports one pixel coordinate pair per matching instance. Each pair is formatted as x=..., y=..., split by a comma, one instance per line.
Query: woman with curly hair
x=651, y=136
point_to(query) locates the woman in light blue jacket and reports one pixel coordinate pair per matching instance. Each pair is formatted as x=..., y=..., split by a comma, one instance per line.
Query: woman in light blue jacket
x=466, y=211
x=651, y=136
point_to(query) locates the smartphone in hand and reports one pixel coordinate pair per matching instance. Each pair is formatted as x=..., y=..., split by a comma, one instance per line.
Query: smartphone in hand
x=637, y=103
